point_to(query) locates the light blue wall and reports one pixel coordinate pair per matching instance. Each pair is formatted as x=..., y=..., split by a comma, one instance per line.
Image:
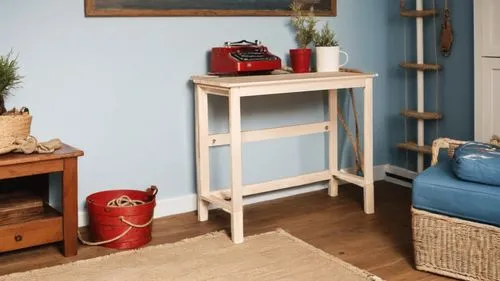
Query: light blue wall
x=453, y=86
x=119, y=89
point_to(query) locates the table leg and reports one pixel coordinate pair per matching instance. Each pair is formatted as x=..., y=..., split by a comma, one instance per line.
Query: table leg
x=202, y=151
x=369, y=196
x=236, y=168
x=70, y=206
x=333, y=187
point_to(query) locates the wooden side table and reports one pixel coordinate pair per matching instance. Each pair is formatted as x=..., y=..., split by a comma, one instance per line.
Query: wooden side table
x=236, y=88
x=50, y=226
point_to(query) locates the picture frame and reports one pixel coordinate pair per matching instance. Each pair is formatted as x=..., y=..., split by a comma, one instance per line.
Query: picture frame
x=165, y=8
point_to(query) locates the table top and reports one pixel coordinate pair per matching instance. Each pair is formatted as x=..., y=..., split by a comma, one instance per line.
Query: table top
x=65, y=151
x=254, y=80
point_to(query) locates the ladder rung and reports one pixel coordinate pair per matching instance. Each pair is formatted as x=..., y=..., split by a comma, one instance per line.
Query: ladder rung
x=422, y=115
x=418, y=14
x=420, y=66
x=414, y=147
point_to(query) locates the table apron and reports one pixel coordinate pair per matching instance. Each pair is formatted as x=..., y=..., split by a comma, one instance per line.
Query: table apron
x=284, y=88
x=30, y=169
x=258, y=90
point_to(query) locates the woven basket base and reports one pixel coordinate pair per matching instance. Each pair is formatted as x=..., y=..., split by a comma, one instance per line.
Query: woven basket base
x=14, y=127
x=456, y=248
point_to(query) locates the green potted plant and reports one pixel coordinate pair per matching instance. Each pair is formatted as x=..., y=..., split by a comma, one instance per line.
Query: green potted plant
x=305, y=29
x=9, y=78
x=14, y=124
x=327, y=50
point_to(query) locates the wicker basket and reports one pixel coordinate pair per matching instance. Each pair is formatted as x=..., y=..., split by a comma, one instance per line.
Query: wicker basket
x=451, y=145
x=456, y=248
x=13, y=127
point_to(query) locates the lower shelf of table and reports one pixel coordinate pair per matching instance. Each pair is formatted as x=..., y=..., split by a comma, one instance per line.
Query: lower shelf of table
x=222, y=198
x=43, y=228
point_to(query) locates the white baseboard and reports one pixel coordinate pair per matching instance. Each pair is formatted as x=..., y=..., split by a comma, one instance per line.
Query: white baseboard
x=187, y=203
x=397, y=181
x=402, y=172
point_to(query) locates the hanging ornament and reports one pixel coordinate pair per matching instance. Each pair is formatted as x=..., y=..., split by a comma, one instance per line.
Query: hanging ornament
x=446, y=32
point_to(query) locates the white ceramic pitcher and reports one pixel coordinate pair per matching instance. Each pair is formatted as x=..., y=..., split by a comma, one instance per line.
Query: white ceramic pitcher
x=328, y=58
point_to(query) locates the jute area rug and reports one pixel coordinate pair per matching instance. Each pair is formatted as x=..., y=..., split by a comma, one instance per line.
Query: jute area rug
x=275, y=255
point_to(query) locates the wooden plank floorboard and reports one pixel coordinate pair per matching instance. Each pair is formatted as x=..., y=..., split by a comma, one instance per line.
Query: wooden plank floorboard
x=379, y=243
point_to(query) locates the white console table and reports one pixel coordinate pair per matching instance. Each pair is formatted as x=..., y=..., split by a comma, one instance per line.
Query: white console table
x=234, y=88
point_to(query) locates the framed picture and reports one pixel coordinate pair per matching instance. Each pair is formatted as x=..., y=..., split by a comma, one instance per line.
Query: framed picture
x=149, y=8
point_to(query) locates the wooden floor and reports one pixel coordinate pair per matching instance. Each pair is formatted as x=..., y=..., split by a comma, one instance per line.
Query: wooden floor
x=379, y=243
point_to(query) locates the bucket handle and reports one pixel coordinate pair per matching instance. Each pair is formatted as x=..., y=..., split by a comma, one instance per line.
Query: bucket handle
x=121, y=218
x=153, y=190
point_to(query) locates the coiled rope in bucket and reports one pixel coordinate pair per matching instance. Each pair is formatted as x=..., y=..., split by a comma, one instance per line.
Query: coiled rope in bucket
x=122, y=201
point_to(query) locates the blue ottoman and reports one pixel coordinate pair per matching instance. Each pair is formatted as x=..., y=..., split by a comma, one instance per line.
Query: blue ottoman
x=438, y=190
x=455, y=224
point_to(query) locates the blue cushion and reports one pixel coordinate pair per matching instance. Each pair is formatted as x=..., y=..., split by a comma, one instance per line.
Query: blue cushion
x=477, y=162
x=438, y=190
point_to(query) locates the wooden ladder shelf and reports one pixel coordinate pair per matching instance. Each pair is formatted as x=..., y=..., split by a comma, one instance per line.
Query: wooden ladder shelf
x=420, y=66
x=421, y=115
x=412, y=146
x=419, y=13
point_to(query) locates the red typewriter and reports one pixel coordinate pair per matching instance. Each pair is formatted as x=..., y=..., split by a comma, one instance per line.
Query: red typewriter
x=243, y=58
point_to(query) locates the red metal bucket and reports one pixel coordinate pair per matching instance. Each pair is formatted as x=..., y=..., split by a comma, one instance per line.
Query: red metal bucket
x=124, y=227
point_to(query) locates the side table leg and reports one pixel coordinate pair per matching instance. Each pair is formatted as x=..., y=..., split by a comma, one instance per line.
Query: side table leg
x=333, y=187
x=70, y=206
x=236, y=169
x=369, y=194
x=369, y=198
x=202, y=152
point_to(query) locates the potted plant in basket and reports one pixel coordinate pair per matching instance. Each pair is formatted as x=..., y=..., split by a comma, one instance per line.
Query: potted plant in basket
x=327, y=50
x=305, y=29
x=14, y=124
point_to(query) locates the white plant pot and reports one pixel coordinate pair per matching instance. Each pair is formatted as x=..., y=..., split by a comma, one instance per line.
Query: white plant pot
x=328, y=58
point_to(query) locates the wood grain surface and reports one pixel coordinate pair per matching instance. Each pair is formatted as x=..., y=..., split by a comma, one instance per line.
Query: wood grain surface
x=18, y=158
